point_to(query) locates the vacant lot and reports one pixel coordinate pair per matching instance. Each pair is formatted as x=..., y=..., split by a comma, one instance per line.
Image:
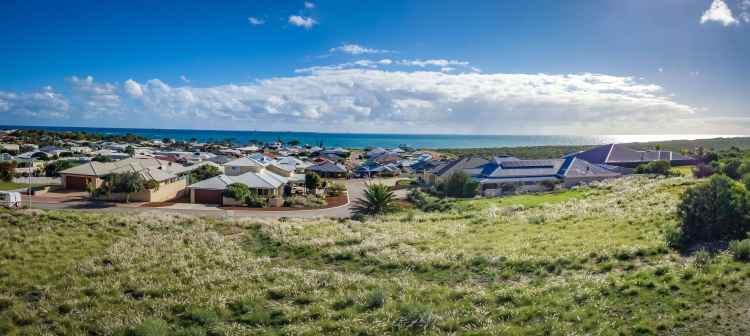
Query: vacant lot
x=586, y=261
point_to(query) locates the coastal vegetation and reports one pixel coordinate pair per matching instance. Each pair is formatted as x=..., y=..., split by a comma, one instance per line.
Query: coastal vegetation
x=590, y=260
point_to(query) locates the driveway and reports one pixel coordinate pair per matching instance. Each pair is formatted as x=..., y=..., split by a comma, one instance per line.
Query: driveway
x=355, y=188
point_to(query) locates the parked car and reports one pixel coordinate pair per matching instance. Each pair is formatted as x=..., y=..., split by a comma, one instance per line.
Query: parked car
x=10, y=199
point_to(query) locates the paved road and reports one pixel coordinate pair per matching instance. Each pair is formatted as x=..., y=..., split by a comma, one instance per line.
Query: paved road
x=355, y=187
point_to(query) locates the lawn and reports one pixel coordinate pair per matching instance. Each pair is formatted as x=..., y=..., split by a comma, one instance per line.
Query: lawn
x=587, y=261
x=12, y=186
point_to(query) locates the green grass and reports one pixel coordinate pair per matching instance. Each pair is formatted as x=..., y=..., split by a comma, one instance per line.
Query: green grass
x=12, y=186
x=587, y=261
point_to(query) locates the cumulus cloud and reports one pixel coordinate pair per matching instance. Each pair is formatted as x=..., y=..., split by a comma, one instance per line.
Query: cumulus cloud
x=255, y=21
x=371, y=99
x=355, y=49
x=744, y=11
x=309, y=5
x=41, y=105
x=184, y=79
x=719, y=12
x=302, y=21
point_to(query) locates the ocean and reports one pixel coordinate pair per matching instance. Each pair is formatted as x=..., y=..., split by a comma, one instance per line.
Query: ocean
x=361, y=140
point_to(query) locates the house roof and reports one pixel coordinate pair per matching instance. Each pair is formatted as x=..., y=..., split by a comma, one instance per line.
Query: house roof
x=459, y=164
x=510, y=169
x=257, y=180
x=618, y=153
x=151, y=168
x=328, y=167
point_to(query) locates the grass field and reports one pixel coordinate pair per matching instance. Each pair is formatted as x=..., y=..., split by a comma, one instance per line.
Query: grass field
x=12, y=186
x=586, y=261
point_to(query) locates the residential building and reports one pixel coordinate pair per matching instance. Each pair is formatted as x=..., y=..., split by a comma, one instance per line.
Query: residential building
x=621, y=156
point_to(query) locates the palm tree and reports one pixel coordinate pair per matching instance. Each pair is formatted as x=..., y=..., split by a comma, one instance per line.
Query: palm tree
x=378, y=199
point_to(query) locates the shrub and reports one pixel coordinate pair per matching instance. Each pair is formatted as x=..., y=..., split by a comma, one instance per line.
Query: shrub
x=702, y=258
x=674, y=237
x=237, y=191
x=703, y=170
x=53, y=169
x=204, y=172
x=201, y=316
x=659, y=167
x=459, y=184
x=150, y=327
x=427, y=203
x=740, y=249
x=256, y=201
x=375, y=299
x=415, y=317
x=714, y=210
x=378, y=199
x=308, y=201
x=731, y=168
x=335, y=189
x=312, y=181
x=746, y=181
x=102, y=158
x=7, y=169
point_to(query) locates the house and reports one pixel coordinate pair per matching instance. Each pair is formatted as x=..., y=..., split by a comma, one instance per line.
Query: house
x=80, y=150
x=6, y=157
x=373, y=169
x=509, y=174
x=171, y=185
x=621, y=156
x=338, y=151
x=328, y=169
x=263, y=182
x=12, y=148
x=246, y=164
x=447, y=168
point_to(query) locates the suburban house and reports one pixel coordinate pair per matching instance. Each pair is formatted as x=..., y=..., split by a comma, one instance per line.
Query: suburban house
x=171, y=185
x=373, y=169
x=328, y=169
x=509, y=174
x=621, y=156
x=446, y=169
x=263, y=182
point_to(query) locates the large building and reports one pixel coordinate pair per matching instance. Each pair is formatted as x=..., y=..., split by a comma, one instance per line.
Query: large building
x=622, y=156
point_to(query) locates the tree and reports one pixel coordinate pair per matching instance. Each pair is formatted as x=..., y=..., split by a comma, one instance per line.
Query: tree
x=237, y=191
x=204, y=172
x=459, y=184
x=53, y=169
x=659, y=167
x=41, y=156
x=293, y=142
x=703, y=170
x=312, y=181
x=378, y=199
x=130, y=150
x=7, y=170
x=716, y=209
x=102, y=158
x=151, y=185
x=127, y=183
x=731, y=168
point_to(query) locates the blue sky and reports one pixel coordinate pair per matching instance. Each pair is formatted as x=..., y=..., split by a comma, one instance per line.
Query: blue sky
x=491, y=67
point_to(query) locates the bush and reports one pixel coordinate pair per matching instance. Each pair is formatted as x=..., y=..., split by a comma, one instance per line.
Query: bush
x=674, y=238
x=238, y=191
x=731, y=168
x=309, y=201
x=150, y=327
x=740, y=249
x=716, y=209
x=7, y=169
x=459, y=184
x=256, y=201
x=375, y=299
x=659, y=167
x=415, y=317
x=335, y=189
x=204, y=172
x=703, y=170
x=53, y=169
x=426, y=202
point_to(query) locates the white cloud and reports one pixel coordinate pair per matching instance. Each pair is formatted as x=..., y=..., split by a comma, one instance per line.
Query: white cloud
x=302, y=21
x=184, y=79
x=370, y=99
x=661, y=69
x=744, y=11
x=43, y=105
x=309, y=5
x=355, y=49
x=255, y=21
x=719, y=12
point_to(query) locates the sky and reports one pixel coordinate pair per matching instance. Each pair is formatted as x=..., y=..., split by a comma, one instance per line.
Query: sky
x=469, y=67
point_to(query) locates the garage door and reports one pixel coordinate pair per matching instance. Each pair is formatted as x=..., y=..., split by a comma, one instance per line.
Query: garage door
x=208, y=196
x=75, y=182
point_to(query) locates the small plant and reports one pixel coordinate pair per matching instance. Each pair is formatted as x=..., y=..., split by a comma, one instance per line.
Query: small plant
x=335, y=189
x=150, y=327
x=375, y=300
x=740, y=249
x=378, y=200
x=659, y=167
x=702, y=259
x=415, y=317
